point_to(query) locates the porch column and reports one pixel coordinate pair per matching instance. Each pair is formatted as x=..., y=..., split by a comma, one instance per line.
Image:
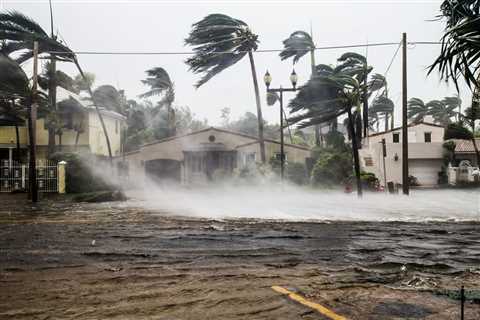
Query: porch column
x=61, y=176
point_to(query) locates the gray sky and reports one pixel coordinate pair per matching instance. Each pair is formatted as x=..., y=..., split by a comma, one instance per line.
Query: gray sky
x=162, y=26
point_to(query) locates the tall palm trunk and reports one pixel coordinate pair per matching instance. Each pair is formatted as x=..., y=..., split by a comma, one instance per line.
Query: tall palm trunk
x=104, y=128
x=317, y=126
x=52, y=98
x=259, y=108
x=356, y=158
x=17, y=137
x=77, y=138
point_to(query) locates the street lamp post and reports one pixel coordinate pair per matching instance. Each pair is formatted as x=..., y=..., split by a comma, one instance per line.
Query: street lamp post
x=267, y=78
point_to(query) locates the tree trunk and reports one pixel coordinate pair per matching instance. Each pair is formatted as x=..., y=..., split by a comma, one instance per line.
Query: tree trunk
x=17, y=136
x=77, y=138
x=356, y=159
x=259, y=108
x=317, y=126
x=52, y=98
x=90, y=92
x=477, y=152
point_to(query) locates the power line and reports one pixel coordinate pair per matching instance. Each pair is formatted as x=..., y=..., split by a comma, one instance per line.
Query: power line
x=228, y=52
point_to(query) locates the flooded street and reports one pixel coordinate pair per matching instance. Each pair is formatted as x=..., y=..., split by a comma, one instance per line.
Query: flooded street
x=67, y=260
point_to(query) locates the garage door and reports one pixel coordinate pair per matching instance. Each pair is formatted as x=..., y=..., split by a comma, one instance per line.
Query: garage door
x=426, y=171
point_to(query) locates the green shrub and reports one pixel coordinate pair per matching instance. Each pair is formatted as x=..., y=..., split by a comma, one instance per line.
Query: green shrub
x=296, y=173
x=78, y=176
x=332, y=168
x=369, y=180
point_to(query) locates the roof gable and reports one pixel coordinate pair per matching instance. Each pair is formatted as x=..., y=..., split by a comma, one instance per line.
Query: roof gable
x=410, y=125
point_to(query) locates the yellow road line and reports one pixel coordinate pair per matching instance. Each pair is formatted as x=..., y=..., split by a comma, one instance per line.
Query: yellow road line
x=325, y=311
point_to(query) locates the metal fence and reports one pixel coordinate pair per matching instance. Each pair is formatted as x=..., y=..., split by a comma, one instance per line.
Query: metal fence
x=14, y=176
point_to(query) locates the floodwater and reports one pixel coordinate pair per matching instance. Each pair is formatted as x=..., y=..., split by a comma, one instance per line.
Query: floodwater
x=144, y=259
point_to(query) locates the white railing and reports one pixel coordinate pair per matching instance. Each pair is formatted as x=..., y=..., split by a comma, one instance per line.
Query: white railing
x=14, y=176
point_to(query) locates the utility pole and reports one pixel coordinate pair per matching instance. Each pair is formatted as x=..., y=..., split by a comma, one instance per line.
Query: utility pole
x=384, y=154
x=33, y=128
x=405, y=182
x=282, y=150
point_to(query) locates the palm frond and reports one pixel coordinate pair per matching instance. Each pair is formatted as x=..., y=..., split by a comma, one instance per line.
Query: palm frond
x=219, y=41
x=297, y=45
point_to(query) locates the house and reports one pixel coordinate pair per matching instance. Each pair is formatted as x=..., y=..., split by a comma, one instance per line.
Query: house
x=81, y=130
x=464, y=150
x=201, y=155
x=425, y=154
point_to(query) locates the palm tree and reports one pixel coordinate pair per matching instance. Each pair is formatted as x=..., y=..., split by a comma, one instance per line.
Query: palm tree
x=19, y=32
x=460, y=51
x=298, y=44
x=16, y=96
x=220, y=41
x=326, y=96
x=443, y=111
x=382, y=106
x=417, y=110
x=160, y=84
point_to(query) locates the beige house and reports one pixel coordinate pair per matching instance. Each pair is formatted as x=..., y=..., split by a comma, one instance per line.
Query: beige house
x=200, y=156
x=81, y=130
x=425, y=158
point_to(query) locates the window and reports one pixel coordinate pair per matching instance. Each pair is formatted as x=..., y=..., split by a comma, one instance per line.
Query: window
x=278, y=156
x=396, y=137
x=428, y=137
x=250, y=158
x=368, y=161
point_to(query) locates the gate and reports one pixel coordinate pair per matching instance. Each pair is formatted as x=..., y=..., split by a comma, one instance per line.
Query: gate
x=14, y=176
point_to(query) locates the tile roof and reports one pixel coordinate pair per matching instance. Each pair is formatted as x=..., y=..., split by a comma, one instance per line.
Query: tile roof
x=466, y=146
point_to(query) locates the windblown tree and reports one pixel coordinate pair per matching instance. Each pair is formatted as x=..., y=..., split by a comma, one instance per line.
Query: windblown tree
x=49, y=80
x=16, y=96
x=19, y=33
x=460, y=51
x=333, y=92
x=161, y=85
x=326, y=96
x=382, y=106
x=459, y=56
x=442, y=111
x=220, y=41
x=417, y=110
x=297, y=45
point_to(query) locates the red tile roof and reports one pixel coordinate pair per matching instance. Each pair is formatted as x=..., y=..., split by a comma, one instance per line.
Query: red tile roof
x=466, y=146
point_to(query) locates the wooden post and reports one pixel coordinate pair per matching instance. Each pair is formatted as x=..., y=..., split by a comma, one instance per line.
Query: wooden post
x=405, y=182
x=33, y=128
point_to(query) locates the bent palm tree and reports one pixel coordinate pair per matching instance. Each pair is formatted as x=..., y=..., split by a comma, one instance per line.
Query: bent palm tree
x=160, y=84
x=417, y=110
x=220, y=41
x=442, y=112
x=327, y=96
x=19, y=32
x=296, y=46
x=382, y=106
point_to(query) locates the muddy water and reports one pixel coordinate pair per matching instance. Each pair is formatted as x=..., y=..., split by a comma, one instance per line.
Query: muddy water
x=117, y=261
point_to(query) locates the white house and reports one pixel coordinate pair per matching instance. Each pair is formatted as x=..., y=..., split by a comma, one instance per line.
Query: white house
x=425, y=154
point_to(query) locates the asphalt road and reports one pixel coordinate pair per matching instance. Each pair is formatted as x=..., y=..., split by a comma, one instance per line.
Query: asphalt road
x=115, y=261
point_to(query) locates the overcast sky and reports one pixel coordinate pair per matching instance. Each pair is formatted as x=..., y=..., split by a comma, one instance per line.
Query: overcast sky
x=161, y=26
